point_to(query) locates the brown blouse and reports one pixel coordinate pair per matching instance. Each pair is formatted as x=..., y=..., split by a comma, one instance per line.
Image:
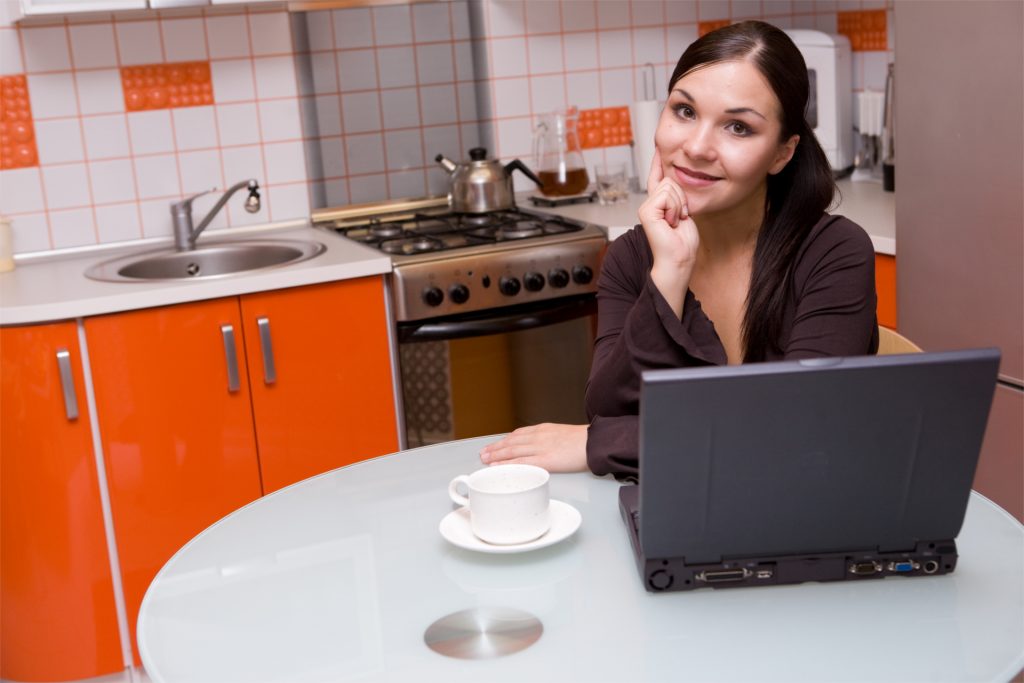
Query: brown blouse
x=831, y=313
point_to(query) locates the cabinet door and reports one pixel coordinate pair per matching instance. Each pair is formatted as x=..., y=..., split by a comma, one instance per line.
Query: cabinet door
x=176, y=427
x=57, y=614
x=328, y=400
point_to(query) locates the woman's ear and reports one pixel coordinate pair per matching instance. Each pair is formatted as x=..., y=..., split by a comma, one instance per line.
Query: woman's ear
x=786, y=151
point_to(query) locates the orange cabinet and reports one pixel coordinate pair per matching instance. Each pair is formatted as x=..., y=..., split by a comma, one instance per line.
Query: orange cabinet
x=57, y=614
x=885, y=285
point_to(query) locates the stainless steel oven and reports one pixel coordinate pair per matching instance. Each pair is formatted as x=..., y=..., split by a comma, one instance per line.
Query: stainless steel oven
x=494, y=313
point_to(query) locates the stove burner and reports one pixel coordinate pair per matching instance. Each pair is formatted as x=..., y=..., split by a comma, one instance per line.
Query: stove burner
x=478, y=220
x=385, y=231
x=517, y=231
x=411, y=245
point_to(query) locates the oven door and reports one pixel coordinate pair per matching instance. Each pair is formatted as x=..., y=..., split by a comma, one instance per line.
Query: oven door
x=490, y=372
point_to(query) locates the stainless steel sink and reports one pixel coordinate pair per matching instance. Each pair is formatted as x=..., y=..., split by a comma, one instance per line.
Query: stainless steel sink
x=208, y=260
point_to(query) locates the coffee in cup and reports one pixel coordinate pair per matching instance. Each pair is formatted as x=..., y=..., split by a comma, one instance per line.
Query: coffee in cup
x=508, y=504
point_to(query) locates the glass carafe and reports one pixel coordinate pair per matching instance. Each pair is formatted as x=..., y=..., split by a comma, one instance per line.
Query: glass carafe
x=557, y=156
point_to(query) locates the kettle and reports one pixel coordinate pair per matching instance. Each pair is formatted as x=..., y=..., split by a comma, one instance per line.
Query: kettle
x=481, y=184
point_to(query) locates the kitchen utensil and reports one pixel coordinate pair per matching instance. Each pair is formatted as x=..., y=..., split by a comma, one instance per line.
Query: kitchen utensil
x=612, y=182
x=482, y=185
x=644, y=116
x=557, y=154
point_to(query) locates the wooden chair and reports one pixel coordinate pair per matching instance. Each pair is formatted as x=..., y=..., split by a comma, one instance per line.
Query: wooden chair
x=891, y=341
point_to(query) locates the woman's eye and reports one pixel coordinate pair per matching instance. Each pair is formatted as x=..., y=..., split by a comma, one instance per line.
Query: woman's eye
x=684, y=111
x=738, y=128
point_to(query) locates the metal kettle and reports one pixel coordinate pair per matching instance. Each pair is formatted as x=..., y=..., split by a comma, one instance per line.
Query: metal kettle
x=481, y=184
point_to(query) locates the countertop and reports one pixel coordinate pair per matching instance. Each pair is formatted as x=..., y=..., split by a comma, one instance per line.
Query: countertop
x=56, y=289
x=865, y=203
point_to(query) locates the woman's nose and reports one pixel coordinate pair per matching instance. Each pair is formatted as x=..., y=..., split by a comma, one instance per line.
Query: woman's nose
x=700, y=143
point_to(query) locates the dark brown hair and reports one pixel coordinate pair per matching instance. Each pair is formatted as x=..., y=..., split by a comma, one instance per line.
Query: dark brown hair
x=798, y=195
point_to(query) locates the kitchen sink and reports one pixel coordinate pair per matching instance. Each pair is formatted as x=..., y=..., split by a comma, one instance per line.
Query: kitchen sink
x=206, y=261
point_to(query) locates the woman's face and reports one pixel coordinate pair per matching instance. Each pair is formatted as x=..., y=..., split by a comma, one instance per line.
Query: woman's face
x=718, y=137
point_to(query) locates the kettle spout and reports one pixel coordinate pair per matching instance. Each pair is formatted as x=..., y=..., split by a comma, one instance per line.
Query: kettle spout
x=446, y=163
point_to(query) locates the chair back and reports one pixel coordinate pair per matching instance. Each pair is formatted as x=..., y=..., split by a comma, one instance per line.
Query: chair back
x=890, y=342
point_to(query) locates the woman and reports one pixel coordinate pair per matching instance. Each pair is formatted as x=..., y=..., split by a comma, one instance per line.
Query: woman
x=735, y=259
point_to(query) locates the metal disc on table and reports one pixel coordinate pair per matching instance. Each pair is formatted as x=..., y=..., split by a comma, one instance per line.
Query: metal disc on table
x=483, y=633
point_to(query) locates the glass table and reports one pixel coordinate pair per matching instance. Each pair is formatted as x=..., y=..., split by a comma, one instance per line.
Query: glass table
x=339, y=576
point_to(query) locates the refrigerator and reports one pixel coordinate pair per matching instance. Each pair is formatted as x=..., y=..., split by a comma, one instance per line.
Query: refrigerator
x=959, y=144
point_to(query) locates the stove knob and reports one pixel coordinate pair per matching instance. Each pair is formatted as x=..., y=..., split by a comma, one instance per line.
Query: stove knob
x=459, y=294
x=509, y=286
x=432, y=296
x=534, y=282
x=558, y=277
x=582, y=275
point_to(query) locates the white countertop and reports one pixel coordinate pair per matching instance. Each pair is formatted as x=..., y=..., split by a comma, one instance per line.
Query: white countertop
x=865, y=203
x=57, y=289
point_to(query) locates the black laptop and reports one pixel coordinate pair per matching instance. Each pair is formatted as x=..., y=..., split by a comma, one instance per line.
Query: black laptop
x=829, y=469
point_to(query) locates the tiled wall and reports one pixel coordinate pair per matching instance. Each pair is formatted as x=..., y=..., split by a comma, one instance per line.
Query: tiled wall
x=325, y=108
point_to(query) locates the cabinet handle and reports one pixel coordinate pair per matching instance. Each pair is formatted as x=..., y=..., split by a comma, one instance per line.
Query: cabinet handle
x=269, y=371
x=228, y=333
x=67, y=383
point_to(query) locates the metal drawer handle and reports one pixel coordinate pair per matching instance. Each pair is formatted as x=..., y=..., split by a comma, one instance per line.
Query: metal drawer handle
x=228, y=333
x=67, y=383
x=269, y=370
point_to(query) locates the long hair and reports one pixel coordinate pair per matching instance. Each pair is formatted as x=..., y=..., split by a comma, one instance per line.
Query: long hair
x=798, y=195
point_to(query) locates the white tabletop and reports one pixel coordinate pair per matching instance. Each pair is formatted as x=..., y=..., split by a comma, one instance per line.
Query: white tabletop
x=337, y=578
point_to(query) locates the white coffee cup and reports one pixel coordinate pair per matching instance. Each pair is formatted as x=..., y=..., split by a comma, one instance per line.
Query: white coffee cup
x=508, y=504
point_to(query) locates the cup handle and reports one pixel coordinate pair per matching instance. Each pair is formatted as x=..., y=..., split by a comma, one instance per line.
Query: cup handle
x=453, y=491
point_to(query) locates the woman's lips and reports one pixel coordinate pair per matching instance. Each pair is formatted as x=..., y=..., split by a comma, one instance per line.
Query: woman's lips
x=692, y=178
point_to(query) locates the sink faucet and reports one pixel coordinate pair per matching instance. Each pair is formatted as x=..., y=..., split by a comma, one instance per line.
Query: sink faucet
x=181, y=213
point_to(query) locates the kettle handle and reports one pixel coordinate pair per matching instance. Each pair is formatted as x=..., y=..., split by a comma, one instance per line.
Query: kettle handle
x=518, y=165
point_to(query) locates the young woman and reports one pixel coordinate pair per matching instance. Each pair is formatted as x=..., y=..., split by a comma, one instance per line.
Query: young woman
x=735, y=259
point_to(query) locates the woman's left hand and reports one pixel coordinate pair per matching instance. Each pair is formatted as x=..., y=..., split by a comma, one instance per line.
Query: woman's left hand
x=555, y=447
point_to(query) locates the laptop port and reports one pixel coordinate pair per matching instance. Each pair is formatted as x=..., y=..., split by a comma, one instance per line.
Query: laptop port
x=865, y=568
x=931, y=566
x=723, y=575
x=904, y=566
x=764, y=573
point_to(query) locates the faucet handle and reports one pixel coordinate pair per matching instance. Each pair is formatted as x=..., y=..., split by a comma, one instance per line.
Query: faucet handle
x=186, y=204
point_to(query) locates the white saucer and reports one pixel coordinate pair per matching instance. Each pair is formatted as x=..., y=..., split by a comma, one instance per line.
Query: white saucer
x=565, y=520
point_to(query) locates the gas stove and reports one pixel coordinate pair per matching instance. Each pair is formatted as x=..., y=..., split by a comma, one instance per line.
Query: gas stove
x=449, y=264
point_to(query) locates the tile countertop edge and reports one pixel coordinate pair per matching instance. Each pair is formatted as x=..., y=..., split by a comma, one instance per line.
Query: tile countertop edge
x=57, y=289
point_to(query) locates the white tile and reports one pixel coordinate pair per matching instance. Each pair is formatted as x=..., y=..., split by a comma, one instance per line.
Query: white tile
x=46, y=48
x=679, y=38
x=232, y=80
x=614, y=49
x=825, y=6
x=325, y=74
x=361, y=112
x=400, y=108
x=112, y=181
x=434, y=63
x=367, y=188
x=437, y=102
x=66, y=186
x=802, y=6
x=515, y=138
x=393, y=25
x=157, y=176
x=279, y=120
x=73, y=228
x=59, y=141
x=288, y=201
x=442, y=140
x=876, y=67
x=99, y=92
x=746, y=9
x=201, y=206
x=547, y=93
x=649, y=45
x=200, y=171
x=545, y=54
x=365, y=153
x=184, y=39
x=275, y=77
x=613, y=13
x=241, y=163
x=803, y=21
x=710, y=10
x=271, y=34
x=150, y=131
x=580, y=51
x=21, y=191
x=407, y=184
x=238, y=124
x=680, y=11
x=228, y=36
x=579, y=16
x=396, y=66
x=506, y=17
x=783, y=22
x=511, y=96
x=777, y=7
x=139, y=42
x=404, y=149
x=156, y=218
x=584, y=90
x=648, y=13
x=31, y=232
x=479, y=134
x=10, y=52
x=827, y=23
x=194, y=127
x=431, y=22
x=616, y=87
x=508, y=57
x=92, y=46
x=52, y=95
x=460, y=20
x=438, y=182
x=336, y=192
x=286, y=162
x=467, y=101
x=118, y=223
x=357, y=70
x=318, y=26
x=352, y=28
x=465, y=69
x=332, y=154
x=544, y=17
x=328, y=114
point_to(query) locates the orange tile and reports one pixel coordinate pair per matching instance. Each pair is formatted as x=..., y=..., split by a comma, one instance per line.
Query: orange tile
x=866, y=29
x=17, y=133
x=606, y=127
x=167, y=86
x=705, y=27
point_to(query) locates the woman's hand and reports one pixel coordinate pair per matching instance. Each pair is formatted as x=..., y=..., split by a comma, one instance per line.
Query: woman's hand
x=671, y=233
x=555, y=447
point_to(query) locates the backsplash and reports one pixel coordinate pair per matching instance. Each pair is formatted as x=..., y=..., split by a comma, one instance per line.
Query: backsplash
x=108, y=118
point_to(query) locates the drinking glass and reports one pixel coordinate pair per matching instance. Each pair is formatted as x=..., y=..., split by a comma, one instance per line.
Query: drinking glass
x=612, y=183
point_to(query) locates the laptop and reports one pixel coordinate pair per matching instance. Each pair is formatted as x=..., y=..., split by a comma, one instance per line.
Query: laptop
x=830, y=469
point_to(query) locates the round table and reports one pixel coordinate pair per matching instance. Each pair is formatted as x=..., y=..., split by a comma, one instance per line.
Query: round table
x=338, y=577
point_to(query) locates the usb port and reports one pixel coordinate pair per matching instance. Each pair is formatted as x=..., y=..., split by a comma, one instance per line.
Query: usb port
x=764, y=573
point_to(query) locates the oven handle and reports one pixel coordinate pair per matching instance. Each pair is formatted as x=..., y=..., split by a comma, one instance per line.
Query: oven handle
x=536, y=315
